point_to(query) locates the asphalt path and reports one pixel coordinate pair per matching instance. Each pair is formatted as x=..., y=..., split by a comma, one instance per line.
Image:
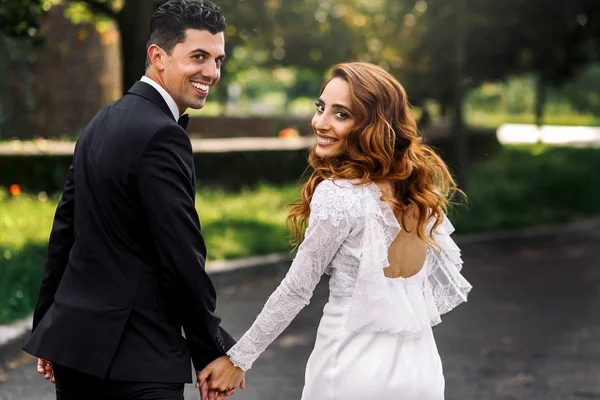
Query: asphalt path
x=530, y=330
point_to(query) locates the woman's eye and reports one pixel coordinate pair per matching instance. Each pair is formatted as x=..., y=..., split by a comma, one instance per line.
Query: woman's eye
x=341, y=115
x=320, y=107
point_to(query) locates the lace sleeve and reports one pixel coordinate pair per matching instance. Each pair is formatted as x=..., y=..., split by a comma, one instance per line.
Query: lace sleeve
x=328, y=227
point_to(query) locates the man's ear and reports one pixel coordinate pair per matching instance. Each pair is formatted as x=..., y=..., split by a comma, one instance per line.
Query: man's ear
x=157, y=57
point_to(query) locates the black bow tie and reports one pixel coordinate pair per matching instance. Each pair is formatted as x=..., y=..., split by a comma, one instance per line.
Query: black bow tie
x=183, y=121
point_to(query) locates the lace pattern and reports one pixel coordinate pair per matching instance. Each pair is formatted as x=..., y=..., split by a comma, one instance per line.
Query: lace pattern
x=329, y=224
x=418, y=302
x=349, y=231
x=446, y=287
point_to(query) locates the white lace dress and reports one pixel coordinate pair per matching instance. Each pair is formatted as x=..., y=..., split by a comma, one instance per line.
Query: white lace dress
x=374, y=339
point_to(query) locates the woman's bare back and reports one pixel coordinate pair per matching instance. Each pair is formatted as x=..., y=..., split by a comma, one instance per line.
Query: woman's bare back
x=407, y=252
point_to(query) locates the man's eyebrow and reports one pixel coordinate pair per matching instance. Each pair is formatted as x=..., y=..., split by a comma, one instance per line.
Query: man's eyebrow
x=206, y=53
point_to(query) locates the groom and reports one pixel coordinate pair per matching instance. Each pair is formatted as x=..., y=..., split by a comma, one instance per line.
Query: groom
x=125, y=267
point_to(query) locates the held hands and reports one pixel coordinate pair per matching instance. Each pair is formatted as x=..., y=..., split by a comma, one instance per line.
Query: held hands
x=220, y=379
x=207, y=394
x=44, y=367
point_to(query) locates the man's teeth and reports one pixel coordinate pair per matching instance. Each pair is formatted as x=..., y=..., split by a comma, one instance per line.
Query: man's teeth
x=322, y=140
x=201, y=86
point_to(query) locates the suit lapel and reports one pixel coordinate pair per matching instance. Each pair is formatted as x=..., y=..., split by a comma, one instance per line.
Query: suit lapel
x=148, y=92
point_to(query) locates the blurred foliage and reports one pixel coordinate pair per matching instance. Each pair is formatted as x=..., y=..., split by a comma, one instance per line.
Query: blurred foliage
x=583, y=92
x=533, y=185
x=80, y=12
x=576, y=102
x=17, y=99
x=553, y=39
x=21, y=18
x=415, y=39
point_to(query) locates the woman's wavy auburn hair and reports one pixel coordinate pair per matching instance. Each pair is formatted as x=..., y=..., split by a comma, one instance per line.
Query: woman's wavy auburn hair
x=384, y=146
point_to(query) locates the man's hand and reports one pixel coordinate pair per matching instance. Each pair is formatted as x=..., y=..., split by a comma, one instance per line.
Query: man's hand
x=44, y=367
x=205, y=393
x=220, y=376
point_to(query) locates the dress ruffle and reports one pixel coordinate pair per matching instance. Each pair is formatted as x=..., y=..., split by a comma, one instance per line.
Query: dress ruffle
x=380, y=304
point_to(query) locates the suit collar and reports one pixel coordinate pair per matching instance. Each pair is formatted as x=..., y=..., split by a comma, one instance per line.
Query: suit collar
x=165, y=95
x=146, y=91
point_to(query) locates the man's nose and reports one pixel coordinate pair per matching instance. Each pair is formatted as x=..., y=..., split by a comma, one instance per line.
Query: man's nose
x=211, y=70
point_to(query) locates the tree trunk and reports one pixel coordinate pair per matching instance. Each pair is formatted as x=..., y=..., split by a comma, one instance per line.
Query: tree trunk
x=134, y=25
x=540, y=100
x=458, y=126
x=443, y=109
x=18, y=116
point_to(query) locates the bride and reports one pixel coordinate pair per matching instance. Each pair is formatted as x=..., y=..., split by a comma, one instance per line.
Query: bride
x=375, y=214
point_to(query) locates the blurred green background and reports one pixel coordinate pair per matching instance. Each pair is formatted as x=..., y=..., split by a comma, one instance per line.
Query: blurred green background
x=507, y=91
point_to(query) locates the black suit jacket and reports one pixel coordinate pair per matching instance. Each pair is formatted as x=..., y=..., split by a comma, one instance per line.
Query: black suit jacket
x=125, y=267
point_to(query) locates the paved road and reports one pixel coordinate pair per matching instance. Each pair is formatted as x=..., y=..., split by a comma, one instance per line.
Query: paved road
x=530, y=331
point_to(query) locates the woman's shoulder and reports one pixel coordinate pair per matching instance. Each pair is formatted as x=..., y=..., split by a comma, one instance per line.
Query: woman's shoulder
x=339, y=189
x=335, y=196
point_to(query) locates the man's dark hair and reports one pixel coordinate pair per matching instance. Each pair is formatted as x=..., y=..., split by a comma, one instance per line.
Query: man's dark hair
x=171, y=19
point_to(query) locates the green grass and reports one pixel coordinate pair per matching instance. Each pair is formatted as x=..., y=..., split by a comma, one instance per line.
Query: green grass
x=531, y=185
x=234, y=225
x=522, y=186
x=495, y=119
x=245, y=224
x=25, y=223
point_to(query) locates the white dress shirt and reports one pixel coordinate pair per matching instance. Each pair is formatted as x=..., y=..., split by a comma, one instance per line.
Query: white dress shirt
x=168, y=99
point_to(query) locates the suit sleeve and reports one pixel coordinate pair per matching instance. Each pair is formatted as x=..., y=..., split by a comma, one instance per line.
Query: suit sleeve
x=61, y=241
x=167, y=188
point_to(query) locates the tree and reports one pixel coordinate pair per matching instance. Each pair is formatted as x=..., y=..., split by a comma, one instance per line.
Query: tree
x=308, y=34
x=464, y=43
x=558, y=48
x=20, y=18
x=133, y=21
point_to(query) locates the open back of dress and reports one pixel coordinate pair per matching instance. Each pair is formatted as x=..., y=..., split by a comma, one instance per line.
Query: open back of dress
x=407, y=253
